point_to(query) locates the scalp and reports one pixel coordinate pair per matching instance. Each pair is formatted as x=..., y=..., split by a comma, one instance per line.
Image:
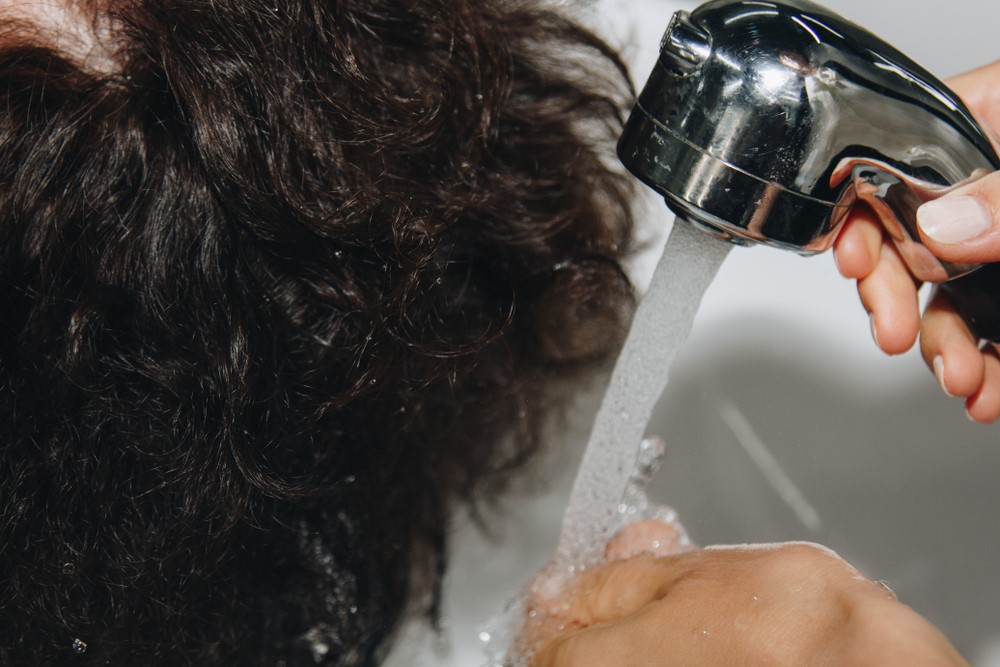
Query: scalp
x=79, y=29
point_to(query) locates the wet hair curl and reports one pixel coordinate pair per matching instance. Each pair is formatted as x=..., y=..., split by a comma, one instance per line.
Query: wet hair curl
x=281, y=282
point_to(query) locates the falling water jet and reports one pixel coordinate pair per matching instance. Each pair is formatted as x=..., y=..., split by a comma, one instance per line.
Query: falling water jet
x=609, y=489
x=662, y=323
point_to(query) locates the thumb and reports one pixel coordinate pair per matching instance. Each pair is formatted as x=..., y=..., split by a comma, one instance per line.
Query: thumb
x=964, y=225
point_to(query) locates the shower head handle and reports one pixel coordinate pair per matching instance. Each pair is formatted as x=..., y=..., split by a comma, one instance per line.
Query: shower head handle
x=766, y=121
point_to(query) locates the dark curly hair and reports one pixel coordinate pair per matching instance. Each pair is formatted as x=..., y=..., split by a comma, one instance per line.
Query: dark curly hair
x=281, y=282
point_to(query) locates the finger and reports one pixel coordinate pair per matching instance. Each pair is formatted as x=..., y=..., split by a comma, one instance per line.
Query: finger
x=620, y=588
x=859, y=244
x=648, y=639
x=679, y=632
x=949, y=349
x=964, y=225
x=984, y=405
x=731, y=603
x=651, y=536
x=558, y=606
x=599, y=647
x=890, y=296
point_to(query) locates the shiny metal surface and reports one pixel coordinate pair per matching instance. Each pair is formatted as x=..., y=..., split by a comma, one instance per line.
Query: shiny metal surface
x=765, y=121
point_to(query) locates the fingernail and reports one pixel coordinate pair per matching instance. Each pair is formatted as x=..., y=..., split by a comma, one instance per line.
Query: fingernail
x=953, y=219
x=938, y=366
x=871, y=323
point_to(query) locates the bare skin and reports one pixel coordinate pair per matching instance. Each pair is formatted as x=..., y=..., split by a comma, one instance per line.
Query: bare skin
x=648, y=536
x=788, y=604
x=964, y=368
x=74, y=27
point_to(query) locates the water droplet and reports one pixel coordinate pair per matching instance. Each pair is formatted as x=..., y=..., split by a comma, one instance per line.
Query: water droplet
x=68, y=568
x=485, y=636
x=350, y=479
x=479, y=97
x=79, y=646
x=353, y=609
x=622, y=508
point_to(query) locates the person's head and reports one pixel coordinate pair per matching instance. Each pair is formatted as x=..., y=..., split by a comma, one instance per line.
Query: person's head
x=279, y=283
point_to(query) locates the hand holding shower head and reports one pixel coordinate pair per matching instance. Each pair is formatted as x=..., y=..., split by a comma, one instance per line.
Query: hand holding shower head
x=767, y=120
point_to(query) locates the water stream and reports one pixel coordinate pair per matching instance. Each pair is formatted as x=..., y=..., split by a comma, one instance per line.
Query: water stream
x=662, y=323
x=609, y=489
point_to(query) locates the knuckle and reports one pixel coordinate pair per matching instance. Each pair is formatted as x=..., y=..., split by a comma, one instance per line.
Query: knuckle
x=806, y=554
x=809, y=569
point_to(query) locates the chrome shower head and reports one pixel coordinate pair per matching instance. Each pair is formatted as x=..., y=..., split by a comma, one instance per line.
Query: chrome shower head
x=766, y=121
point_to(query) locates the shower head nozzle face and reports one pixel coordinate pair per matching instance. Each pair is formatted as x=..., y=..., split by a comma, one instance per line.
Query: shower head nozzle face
x=766, y=120
x=757, y=113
